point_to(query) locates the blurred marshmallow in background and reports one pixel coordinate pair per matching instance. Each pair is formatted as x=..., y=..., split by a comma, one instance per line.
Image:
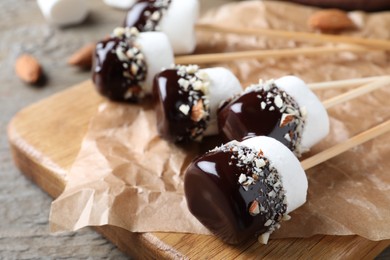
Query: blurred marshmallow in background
x=64, y=12
x=120, y=4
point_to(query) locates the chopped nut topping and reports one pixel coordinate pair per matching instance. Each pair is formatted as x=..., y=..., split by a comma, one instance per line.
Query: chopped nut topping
x=133, y=61
x=133, y=91
x=121, y=55
x=197, y=111
x=184, y=109
x=303, y=111
x=259, y=163
x=278, y=101
x=184, y=83
x=255, y=172
x=254, y=208
x=263, y=238
x=274, y=99
x=119, y=31
x=242, y=178
x=153, y=15
x=196, y=89
x=134, y=68
x=286, y=119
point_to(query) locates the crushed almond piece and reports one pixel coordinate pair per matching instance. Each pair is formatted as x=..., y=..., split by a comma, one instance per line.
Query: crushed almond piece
x=197, y=112
x=286, y=118
x=263, y=238
x=254, y=208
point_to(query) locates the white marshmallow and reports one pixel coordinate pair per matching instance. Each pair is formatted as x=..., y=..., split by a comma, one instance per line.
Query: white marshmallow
x=121, y=4
x=158, y=55
x=179, y=25
x=223, y=85
x=317, y=120
x=293, y=176
x=64, y=12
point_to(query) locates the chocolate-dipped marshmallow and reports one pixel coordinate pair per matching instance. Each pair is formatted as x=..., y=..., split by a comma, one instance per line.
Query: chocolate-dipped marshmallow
x=175, y=18
x=285, y=109
x=245, y=189
x=187, y=99
x=126, y=63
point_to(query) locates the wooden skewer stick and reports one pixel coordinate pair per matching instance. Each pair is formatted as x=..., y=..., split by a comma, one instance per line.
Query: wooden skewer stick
x=338, y=84
x=261, y=54
x=342, y=147
x=300, y=36
x=356, y=92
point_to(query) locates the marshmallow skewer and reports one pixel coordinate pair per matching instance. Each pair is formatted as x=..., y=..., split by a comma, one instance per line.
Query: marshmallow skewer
x=299, y=36
x=263, y=54
x=345, y=146
x=338, y=84
x=356, y=92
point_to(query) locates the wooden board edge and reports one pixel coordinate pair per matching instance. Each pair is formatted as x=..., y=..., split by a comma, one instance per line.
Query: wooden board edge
x=51, y=178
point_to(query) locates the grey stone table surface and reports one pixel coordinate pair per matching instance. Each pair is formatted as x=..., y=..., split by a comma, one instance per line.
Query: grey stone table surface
x=24, y=208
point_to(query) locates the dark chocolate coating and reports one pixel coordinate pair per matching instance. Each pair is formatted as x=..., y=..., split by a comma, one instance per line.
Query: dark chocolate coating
x=243, y=117
x=215, y=197
x=168, y=96
x=107, y=72
x=145, y=15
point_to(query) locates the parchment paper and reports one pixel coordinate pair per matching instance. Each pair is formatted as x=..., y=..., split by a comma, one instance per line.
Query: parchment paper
x=126, y=176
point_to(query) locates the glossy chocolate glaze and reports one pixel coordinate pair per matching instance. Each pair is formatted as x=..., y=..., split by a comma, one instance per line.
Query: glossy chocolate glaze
x=216, y=198
x=243, y=117
x=171, y=123
x=136, y=16
x=107, y=72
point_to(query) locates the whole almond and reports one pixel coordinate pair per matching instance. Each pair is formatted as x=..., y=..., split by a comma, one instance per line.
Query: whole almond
x=28, y=69
x=83, y=57
x=330, y=20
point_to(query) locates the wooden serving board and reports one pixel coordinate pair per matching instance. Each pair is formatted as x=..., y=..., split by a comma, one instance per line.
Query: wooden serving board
x=45, y=139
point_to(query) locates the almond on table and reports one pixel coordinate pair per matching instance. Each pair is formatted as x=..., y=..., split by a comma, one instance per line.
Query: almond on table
x=83, y=57
x=330, y=20
x=28, y=69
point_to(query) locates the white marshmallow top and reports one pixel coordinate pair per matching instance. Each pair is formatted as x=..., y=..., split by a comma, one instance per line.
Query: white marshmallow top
x=223, y=85
x=317, y=120
x=178, y=23
x=64, y=12
x=158, y=55
x=121, y=4
x=293, y=176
